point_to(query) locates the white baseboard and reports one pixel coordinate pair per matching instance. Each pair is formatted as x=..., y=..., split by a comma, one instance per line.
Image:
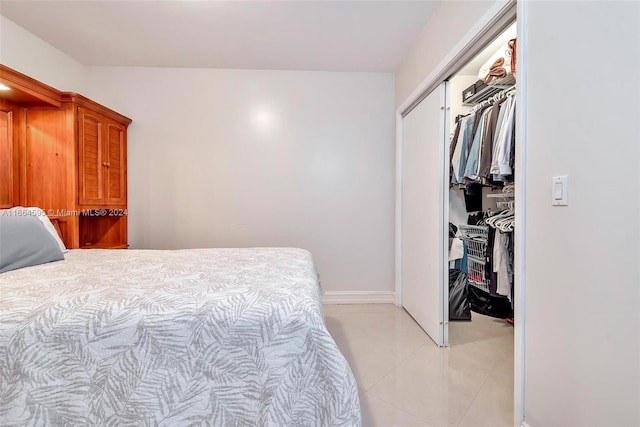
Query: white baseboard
x=359, y=297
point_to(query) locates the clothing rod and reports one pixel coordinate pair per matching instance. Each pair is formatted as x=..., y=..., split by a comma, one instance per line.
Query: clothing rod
x=505, y=92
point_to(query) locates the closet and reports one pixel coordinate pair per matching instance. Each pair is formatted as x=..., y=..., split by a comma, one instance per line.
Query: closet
x=481, y=181
x=455, y=208
x=66, y=154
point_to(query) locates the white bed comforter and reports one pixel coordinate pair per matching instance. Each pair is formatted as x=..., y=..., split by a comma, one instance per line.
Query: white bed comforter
x=211, y=337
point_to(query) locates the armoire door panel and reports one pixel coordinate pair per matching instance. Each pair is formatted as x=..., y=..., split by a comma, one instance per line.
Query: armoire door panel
x=6, y=160
x=91, y=164
x=48, y=156
x=116, y=188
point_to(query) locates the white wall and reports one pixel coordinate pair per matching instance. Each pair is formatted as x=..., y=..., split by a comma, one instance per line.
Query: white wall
x=457, y=84
x=582, y=339
x=30, y=55
x=261, y=158
x=242, y=158
x=446, y=27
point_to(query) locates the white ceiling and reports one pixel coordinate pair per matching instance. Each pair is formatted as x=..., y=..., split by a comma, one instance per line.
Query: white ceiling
x=294, y=35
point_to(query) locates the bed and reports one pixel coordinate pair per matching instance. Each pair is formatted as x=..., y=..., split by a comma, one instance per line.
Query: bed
x=215, y=337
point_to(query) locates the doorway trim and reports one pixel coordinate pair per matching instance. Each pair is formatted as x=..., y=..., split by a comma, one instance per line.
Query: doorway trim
x=498, y=18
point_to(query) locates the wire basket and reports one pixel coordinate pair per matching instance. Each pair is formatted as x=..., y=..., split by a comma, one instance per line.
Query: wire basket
x=476, y=238
x=477, y=272
x=477, y=248
x=474, y=232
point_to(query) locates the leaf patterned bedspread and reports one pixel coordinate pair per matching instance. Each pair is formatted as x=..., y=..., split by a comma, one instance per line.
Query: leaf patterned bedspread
x=202, y=337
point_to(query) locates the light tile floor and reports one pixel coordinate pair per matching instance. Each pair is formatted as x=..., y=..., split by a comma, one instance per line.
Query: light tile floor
x=406, y=380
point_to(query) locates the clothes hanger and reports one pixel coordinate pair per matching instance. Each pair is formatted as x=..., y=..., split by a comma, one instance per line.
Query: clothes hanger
x=491, y=221
x=507, y=222
x=502, y=219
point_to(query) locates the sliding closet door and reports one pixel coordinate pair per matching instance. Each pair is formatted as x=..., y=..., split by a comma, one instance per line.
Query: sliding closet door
x=423, y=204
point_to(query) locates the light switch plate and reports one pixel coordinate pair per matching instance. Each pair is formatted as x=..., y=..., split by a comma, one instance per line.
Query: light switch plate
x=560, y=190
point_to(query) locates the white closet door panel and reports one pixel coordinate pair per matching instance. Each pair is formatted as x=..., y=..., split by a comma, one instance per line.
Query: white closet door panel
x=423, y=162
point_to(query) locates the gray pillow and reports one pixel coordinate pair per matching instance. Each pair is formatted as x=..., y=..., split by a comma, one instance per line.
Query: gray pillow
x=24, y=242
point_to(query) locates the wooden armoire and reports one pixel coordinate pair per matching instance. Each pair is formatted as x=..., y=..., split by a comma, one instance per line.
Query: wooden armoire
x=66, y=154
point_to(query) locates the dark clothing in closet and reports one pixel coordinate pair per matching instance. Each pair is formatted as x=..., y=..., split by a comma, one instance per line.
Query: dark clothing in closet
x=473, y=197
x=452, y=147
x=487, y=143
x=476, y=125
x=490, y=275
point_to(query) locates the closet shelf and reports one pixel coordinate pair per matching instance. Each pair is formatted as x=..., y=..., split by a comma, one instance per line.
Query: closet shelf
x=501, y=195
x=490, y=90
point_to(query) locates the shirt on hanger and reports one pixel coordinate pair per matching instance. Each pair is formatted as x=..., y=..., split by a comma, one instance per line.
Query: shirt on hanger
x=500, y=264
x=452, y=147
x=473, y=161
x=501, y=148
x=486, y=151
x=460, y=154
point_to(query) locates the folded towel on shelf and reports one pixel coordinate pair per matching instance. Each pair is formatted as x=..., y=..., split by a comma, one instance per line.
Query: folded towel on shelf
x=498, y=66
x=497, y=71
x=498, y=63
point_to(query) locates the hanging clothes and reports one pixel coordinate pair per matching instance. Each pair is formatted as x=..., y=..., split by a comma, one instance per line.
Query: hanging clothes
x=482, y=153
x=459, y=160
x=501, y=161
x=453, y=144
x=487, y=144
x=482, y=147
x=473, y=160
x=501, y=264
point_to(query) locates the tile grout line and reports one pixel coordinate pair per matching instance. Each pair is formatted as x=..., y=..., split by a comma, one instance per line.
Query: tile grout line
x=410, y=354
x=379, y=379
x=484, y=381
x=394, y=367
x=400, y=409
x=392, y=404
x=397, y=363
